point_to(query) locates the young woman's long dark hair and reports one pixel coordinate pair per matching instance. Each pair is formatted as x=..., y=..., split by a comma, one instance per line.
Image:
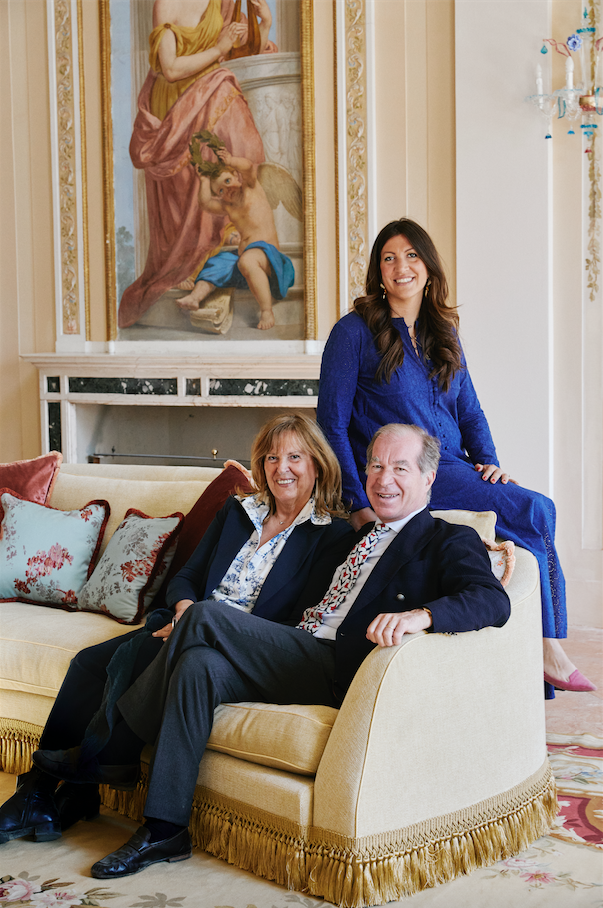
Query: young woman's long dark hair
x=438, y=320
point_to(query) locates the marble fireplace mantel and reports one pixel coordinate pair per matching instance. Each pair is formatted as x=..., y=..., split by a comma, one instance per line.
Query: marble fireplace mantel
x=68, y=382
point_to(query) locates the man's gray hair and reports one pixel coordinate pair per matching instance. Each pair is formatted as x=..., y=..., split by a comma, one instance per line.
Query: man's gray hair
x=428, y=459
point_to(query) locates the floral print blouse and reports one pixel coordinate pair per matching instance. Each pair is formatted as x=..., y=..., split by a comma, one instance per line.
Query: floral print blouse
x=243, y=581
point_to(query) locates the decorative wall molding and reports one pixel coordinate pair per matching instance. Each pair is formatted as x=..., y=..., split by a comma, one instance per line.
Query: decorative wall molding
x=309, y=172
x=67, y=154
x=353, y=43
x=66, y=106
x=593, y=247
x=592, y=332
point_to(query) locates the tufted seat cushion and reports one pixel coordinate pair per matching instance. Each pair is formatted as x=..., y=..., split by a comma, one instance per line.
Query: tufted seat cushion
x=292, y=738
x=37, y=645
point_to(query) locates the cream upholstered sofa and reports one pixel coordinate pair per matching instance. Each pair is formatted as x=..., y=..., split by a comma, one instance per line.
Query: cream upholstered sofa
x=434, y=765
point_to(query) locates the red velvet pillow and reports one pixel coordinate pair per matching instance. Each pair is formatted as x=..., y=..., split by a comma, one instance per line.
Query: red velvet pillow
x=198, y=520
x=32, y=479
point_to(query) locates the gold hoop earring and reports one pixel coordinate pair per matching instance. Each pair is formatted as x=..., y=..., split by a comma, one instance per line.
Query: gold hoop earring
x=427, y=286
x=384, y=294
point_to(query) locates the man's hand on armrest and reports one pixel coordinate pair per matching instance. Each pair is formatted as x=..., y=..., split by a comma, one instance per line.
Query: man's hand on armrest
x=388, y=628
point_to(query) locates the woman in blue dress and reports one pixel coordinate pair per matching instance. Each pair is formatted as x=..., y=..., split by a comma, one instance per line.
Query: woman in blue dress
x=397, y=358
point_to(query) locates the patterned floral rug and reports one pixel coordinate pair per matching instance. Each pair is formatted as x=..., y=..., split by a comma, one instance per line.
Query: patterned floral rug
x=562, y=868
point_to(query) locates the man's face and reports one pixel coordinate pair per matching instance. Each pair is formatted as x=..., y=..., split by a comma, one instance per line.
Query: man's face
x=395, y=486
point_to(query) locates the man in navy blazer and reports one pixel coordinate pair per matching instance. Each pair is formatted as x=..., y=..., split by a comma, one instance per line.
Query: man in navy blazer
x=421, y=574
x=431, y=576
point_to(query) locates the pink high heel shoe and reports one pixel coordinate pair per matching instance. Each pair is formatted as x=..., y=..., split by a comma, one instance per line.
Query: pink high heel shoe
x=575, y=682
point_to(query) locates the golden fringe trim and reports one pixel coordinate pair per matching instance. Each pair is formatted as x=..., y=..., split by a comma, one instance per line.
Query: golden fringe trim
x=377, y=869
x=18, y=740
x=358, y=872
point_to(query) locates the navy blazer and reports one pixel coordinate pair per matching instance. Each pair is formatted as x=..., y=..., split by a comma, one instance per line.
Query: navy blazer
x=311, y=551
x=430, y=563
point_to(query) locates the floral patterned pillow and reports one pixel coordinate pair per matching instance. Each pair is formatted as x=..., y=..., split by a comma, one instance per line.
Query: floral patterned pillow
x=46, y=555
x=132, y=567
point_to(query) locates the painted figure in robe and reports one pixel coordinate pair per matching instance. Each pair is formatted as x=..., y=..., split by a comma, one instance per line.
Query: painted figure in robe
x=186, y=91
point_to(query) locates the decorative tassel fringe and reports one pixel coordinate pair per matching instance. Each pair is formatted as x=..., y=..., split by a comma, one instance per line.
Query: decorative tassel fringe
x=354, y=873
x=359, y=872
x=351, y=873
x=128, y=803
x=18, y=740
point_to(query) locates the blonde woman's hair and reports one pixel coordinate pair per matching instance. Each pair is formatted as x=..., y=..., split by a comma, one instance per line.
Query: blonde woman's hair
x=327, y=488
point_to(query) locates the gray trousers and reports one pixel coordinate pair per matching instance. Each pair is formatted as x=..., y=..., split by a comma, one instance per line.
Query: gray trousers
x=216, y=654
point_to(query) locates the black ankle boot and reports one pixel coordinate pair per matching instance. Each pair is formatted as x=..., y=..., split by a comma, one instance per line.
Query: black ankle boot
x=76, y=802
x=31, y=810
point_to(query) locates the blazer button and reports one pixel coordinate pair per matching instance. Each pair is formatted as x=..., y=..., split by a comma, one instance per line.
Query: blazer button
x=400, y=597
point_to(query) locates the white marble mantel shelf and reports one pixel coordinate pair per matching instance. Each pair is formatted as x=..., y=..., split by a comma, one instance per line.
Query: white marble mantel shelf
x=189, y=365
x=69, y=381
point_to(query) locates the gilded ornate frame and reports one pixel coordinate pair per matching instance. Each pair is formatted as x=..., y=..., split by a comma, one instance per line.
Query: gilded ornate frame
x=309, y=174
x=352, y=162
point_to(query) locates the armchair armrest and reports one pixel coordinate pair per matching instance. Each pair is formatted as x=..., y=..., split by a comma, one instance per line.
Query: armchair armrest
x=438, y=724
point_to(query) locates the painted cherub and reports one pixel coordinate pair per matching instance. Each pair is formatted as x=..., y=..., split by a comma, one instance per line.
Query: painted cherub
x=232, y=186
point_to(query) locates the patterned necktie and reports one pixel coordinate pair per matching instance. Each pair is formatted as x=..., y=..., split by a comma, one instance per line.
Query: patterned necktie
x=343, y=581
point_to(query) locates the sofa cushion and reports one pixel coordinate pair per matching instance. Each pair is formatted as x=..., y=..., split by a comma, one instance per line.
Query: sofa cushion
x=132, y=567
x=288, y=737
x=32, y=479
x=37, y=645
x=47, y=555
x=154, y=498
x=483, y=522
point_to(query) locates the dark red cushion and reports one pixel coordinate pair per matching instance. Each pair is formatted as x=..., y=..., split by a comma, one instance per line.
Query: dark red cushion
x=32, y=479
x=198, y=519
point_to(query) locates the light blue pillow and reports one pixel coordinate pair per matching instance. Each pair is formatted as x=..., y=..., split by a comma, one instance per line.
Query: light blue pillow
x=46, y=555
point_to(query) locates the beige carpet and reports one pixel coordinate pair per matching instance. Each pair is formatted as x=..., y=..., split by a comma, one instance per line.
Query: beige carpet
x=559, y=870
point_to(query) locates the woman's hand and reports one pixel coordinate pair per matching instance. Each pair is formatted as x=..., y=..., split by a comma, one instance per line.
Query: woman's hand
x=364, y=515
x=262, y=11
x=179, y=610
x=493, y=473
x=232, y=32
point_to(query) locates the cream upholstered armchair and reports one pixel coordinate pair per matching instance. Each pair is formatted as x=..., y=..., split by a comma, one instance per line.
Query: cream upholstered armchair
x=434, y=765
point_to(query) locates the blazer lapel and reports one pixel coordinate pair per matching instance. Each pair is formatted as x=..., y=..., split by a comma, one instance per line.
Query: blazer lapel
x=235, y=534
x=407, y=543
x=293, y=555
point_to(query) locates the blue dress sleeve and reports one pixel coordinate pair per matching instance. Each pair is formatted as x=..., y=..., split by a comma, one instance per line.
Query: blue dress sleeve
x=475, y=431
x=338, y=382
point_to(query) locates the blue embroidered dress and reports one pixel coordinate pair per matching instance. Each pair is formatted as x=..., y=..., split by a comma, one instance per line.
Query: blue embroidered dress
x=352, y=406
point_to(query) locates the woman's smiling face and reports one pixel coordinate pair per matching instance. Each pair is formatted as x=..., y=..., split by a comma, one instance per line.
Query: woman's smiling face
x=290, y=471
x=403, y=274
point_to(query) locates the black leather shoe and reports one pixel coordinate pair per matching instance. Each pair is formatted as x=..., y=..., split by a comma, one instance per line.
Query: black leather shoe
x=76, y=802
x=138, y=853
x=68, y=766
x=30, y=811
